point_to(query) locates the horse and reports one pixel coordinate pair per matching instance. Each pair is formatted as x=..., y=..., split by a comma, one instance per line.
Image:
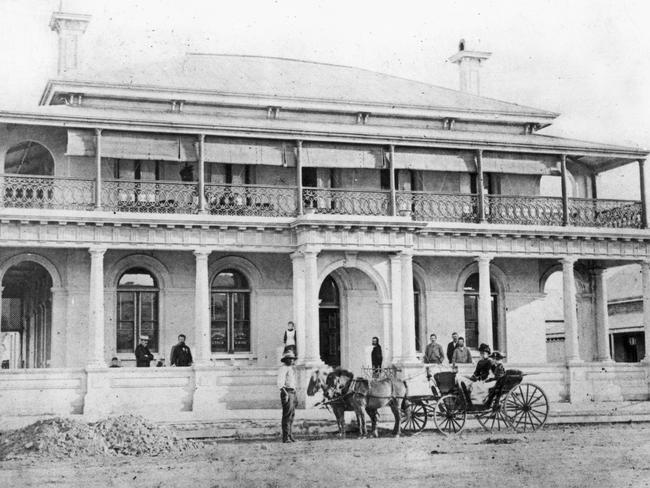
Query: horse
x=345, y=392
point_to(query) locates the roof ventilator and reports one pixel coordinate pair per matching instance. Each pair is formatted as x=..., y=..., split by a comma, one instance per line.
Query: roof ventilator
x=273, y=113
x=362, y=118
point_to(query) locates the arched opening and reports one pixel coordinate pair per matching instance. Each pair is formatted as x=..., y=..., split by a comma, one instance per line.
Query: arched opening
x=471, y=294
x=137, y=309
x=29, y=158
x=554, y=317
x=26, y=330
x=230, y=328
x=329, y=317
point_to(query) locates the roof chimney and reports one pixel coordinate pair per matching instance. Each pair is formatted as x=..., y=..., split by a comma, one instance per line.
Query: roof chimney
x=469, y=64
x=69, y=27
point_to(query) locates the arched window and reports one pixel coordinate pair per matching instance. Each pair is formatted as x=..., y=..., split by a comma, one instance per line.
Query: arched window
x=230, y=328
x=137, y=309
x=471, y=291
x=29, y=158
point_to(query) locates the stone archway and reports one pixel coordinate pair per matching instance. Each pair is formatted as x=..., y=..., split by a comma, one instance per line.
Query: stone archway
x=354, y=320
x=26, y=333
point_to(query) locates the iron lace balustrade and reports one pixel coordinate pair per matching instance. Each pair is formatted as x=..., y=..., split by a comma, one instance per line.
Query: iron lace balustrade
x=346, y=202
x=256, y=200
x=587, y=212
x=523, y=210
x=25, y=191
x=150, y=196
x=438, y=207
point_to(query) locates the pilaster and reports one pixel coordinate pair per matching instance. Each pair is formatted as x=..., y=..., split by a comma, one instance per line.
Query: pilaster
x=202, y=307
x=484, y=301
x=572, y=351
x=96, y=357
x=602, y=316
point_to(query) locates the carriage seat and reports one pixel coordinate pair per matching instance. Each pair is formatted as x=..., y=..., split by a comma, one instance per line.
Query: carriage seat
x=445, y=382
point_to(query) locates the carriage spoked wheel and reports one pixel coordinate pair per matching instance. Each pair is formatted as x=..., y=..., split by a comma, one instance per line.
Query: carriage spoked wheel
x=414, y=418
x=493, y=419
x=525, y=407
x=449, y=414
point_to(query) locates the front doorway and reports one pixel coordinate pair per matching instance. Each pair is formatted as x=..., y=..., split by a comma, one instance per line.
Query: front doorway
x=329, y=317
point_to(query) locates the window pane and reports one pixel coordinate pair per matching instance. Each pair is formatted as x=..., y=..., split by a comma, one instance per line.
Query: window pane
x=242, y=336
x=240, y=305
x=219, y=336
x=219, y=323
x=241, y=332
x=126, y=306
x=219, y=306
x=148, y=306
x=471, y=320
x=125, y=342
x=137, y=277
x=230, y=279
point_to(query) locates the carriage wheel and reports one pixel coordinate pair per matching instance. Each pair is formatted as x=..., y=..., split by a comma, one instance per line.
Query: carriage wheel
x=414, y=418
x=526, y=407
x=492, y=419
x=449, y=414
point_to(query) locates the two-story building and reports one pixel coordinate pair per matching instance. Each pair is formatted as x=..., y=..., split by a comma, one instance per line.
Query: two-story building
x=221, y=196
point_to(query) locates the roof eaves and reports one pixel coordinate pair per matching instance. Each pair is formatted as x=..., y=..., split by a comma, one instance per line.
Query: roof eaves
x=542, y=117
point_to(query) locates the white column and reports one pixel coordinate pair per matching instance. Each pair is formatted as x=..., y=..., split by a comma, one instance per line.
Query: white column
x=602, y=317
x=386, y=344
x=202, y=307
x=58, y=344
x=312, y=331
x=396, y=296
x=572, y=351
x=484, y=301
x=408, y=309
x=96, y=357
x=645, y=275
x=298, y=265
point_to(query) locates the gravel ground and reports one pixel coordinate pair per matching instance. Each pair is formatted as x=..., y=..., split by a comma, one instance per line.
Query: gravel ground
x=592, y=456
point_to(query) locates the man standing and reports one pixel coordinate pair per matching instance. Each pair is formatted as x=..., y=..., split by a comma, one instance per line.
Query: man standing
x=376, y=357
x=451, y=346
x=433, y=354
x=143, y=355
x=287, y=385
x=461, y=353
x=181, y=354
x=290, y=338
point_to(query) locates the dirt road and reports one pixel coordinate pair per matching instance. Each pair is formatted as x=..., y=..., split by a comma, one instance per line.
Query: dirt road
x=559, y=456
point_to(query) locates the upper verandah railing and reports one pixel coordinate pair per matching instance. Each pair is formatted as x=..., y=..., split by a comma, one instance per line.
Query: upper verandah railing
x=164, y=197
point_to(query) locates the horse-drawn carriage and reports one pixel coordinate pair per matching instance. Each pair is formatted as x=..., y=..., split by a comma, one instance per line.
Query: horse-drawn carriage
x=510, y=404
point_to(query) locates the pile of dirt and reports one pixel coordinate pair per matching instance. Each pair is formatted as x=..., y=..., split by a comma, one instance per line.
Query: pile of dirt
x=129, y=435
x=132, y=435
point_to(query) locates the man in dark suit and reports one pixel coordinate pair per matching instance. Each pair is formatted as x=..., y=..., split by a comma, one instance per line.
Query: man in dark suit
x=143, y=355
x=181, y=354
x=376, y=357
x=451, y=346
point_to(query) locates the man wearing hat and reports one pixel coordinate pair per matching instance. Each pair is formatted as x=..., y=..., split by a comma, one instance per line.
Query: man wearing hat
x=143, y=355
x=287, y=385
